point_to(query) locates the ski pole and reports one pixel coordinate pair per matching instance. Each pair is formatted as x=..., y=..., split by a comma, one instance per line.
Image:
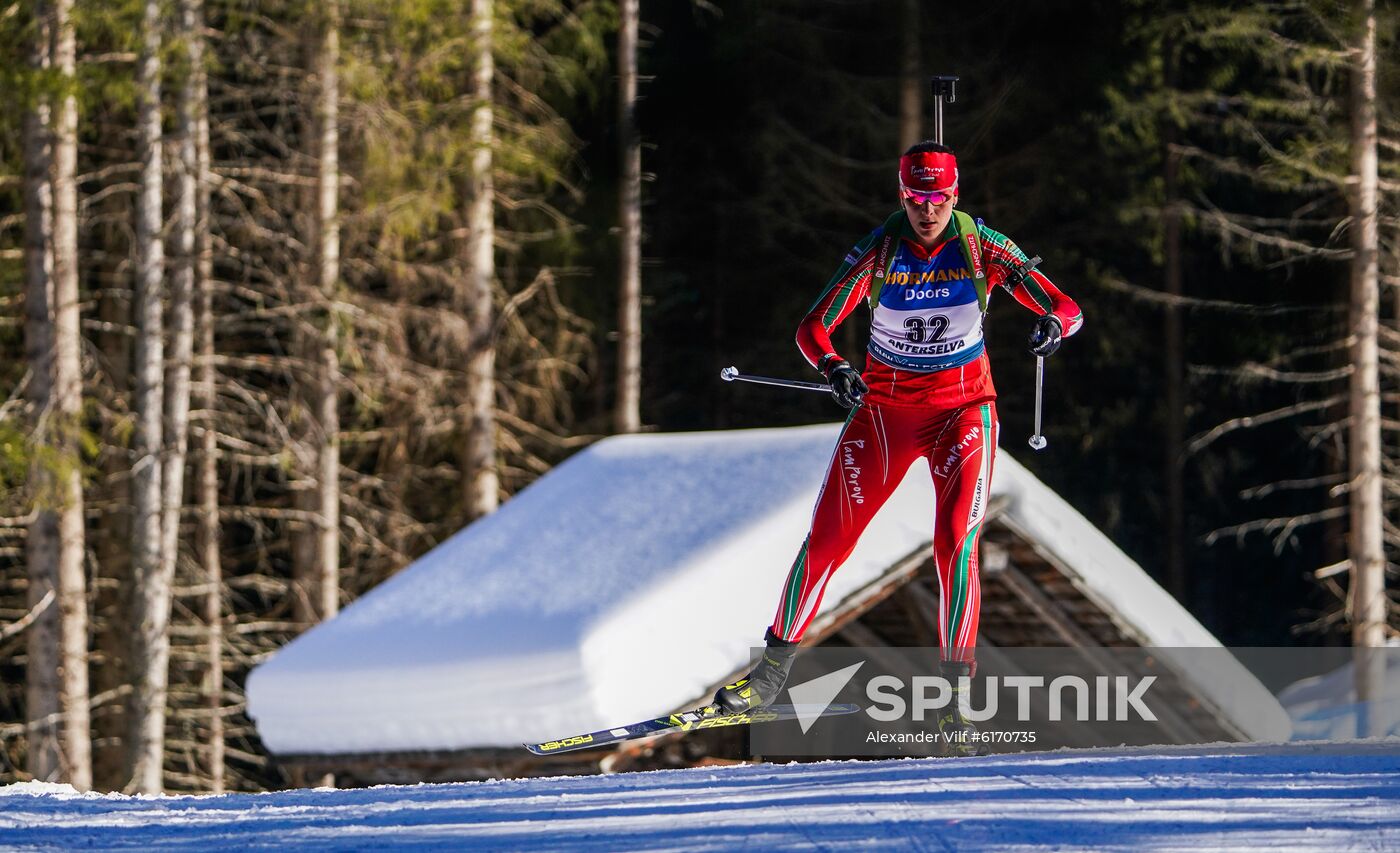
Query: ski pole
x=732, y=374
x=1038, y=440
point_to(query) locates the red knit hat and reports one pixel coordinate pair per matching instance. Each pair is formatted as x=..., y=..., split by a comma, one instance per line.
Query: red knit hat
x=927, y=171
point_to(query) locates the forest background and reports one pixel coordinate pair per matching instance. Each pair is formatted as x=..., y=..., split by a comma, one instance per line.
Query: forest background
x=355, y=272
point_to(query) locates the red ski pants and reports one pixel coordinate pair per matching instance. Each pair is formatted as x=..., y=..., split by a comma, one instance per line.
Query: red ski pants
x=873, y=454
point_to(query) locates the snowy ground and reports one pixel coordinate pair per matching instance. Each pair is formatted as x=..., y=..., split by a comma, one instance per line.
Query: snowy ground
x=1324, y=797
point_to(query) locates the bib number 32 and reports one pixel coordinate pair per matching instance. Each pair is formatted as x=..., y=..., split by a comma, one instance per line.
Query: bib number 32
x=921, y=331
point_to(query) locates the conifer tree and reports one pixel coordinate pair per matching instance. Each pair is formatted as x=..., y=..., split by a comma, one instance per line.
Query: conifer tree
x=478, y=291
x=57, y=693
x=1369, y=610
x=1258, y=149
x=42, y=543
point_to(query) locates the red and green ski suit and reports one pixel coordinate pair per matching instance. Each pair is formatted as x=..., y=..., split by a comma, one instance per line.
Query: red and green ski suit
x=931, y=398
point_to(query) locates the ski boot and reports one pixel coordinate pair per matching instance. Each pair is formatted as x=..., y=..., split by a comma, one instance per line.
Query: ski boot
x=958, y=734
x=763, y=683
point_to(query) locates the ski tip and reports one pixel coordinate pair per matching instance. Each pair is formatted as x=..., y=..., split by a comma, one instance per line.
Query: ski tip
x=550, y=748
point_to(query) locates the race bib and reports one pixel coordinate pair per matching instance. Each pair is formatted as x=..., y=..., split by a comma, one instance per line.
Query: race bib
x=927, y=317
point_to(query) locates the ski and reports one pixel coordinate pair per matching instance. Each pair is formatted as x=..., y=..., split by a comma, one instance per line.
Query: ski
x=682, y=722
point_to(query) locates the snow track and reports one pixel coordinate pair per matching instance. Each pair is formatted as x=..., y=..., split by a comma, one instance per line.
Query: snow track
x=1321, y=796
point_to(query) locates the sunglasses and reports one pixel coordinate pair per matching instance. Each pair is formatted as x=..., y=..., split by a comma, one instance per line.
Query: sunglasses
x=935, y=197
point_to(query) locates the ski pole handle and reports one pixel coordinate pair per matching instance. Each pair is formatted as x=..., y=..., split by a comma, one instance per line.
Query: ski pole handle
x=1038, y=441
x=732, y=374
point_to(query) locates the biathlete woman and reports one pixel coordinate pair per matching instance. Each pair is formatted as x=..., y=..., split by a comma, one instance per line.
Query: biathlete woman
x=928, y=273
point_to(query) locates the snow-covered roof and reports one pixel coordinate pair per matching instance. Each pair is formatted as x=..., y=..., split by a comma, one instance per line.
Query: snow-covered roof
x=625, y=583
x=1325, y=707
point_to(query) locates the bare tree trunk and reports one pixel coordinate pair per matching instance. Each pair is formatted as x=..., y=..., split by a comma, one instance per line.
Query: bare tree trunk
x=627, y=417
x=1175, y=402
x=180, y=320
x=42, y=544
x=150, y=639
x=67, y=410
x=1173, y=352
x=112, y=531
x=482, y=486
x=327, y=248
x=111, y=282
x=181, y=314
x=60, y=736
x=207, y=466
x=911, y=79
x=316, y=545
x=1368, y=600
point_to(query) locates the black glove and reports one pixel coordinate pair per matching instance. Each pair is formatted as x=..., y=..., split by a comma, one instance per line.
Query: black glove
x=846, y=385
x=1045, y=337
